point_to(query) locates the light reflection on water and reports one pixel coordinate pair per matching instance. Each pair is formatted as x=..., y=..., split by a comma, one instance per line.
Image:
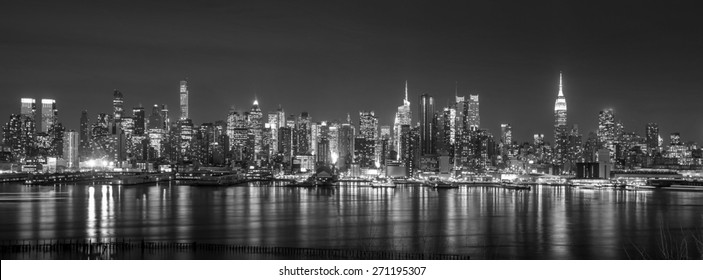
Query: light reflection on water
x=546, y=223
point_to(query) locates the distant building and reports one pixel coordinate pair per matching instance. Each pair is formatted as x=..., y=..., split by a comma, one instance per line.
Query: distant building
x=402, y=117
x=184, y=99
x=652, y=137
x=427, y=126
x=139, y=120
x=49, y=114
x=118, y=111
x=561, y=134
x=71, y=143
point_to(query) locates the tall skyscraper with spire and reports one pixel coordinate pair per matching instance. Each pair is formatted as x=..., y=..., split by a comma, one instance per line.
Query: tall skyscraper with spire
x=402, y=117
x=560, y=130
x=184, y=99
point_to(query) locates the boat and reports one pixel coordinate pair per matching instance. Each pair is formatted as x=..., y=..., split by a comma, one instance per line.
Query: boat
x=218, y=180
x=302, y=183
x=443, y=184
x=513, y=186
x=676, y=184
x=138, y=179
x=385, y=183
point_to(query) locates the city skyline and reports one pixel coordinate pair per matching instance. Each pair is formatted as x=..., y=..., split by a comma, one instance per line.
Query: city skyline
x=179, y=115
x=622, y=61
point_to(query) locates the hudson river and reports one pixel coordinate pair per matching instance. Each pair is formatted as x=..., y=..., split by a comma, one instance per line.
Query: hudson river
x=548, y=222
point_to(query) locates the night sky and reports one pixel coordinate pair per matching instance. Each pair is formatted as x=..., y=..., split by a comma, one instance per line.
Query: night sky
x=643, y=59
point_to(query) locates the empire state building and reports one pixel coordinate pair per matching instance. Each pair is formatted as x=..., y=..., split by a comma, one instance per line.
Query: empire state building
x=560, y=135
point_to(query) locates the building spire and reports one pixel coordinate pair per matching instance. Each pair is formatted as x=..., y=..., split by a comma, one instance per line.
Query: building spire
x=561, y=93
x=406, y=90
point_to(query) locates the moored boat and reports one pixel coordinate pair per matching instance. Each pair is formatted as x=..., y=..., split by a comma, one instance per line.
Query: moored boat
x=386, y=183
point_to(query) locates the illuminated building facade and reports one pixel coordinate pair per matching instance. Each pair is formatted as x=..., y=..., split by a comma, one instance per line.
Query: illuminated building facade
x=71, y=143
x=427, y=125
x=139, y=117
x=302, y=142
x=184, y=99
x=608, y=131
x=118, y=110
x=346, y=146
x=652, y=137
x=402, y=117
x=561, y=133
x=256, y=126
x=49, y=114
x=474, y=118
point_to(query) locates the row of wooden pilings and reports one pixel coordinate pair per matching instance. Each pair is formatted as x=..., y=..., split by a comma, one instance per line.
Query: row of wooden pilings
x=103, y=249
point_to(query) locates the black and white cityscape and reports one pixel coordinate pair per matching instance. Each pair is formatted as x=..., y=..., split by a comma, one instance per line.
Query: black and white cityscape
x=351, y=130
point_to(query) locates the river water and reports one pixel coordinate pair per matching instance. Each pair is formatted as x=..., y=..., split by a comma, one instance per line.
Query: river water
x=548, y=222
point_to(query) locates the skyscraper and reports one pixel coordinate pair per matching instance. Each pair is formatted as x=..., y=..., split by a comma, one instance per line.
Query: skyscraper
x=71, y=143
x=301, y=135
x=652, y=137
x=560, y=131
x=427, y=128
x=49, y=114
x=139, y=120
x=256, y=126
x=607, y=130
x=346, y=145
x=184, y=99
x=368, y=125
x=365, y=141
x=474, y=118
x=506, y=138
x=402, y=117
x=28, y=107
x=118, y=111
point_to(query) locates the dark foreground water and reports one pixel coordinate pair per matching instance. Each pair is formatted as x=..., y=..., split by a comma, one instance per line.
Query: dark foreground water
x=548, y=222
